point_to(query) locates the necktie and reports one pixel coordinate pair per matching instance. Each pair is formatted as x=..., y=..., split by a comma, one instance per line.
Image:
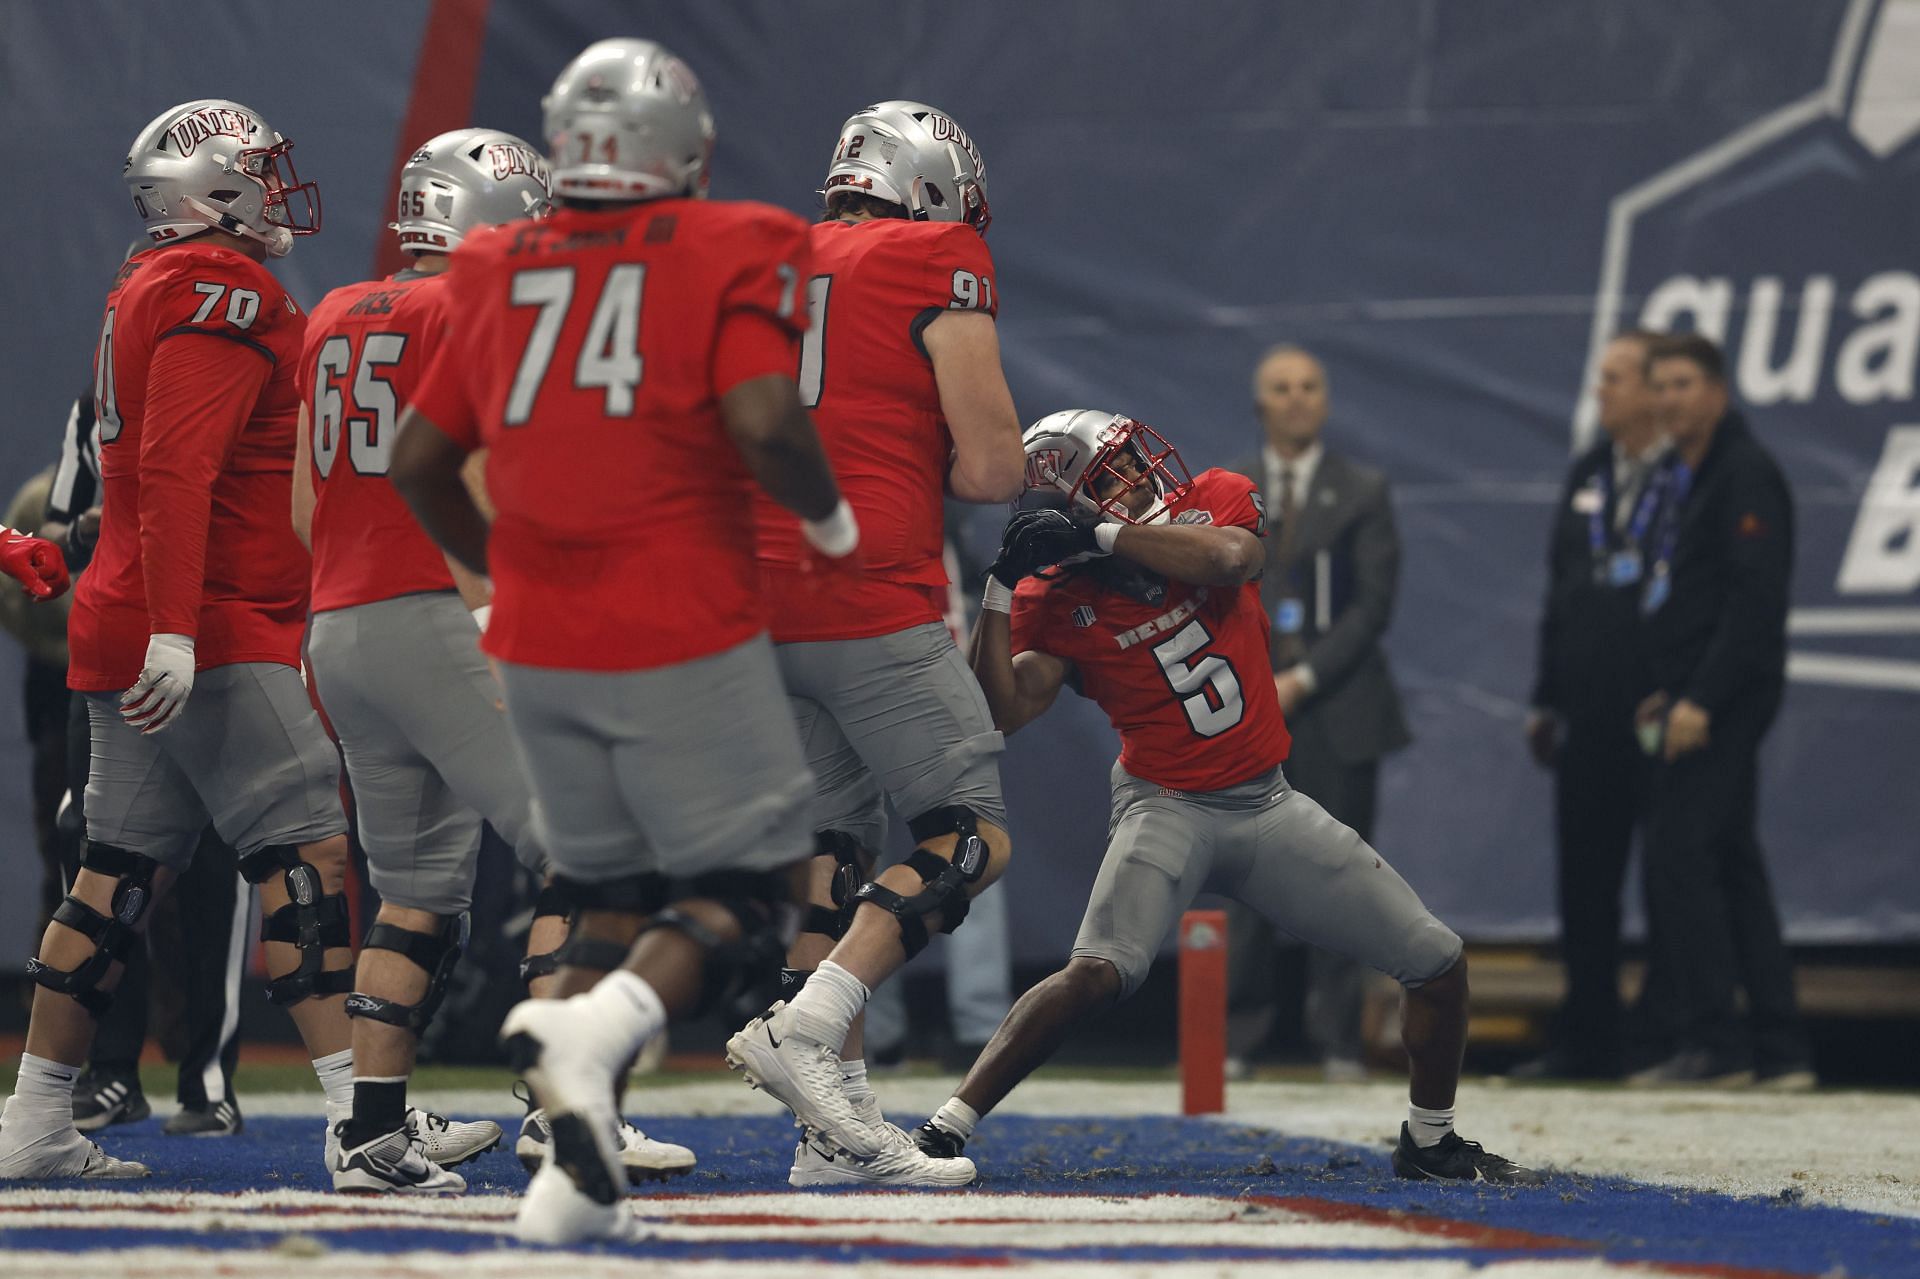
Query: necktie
x=1288, y=648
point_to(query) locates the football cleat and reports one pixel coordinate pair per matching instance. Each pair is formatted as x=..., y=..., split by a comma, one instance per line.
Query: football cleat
x=903, y=1163
x=452, y=1142
x=938, y=1143
x=645, y=1159
x=1454, y=1159
x=572, y=1064
x=102, y=1099
x=805, y=1076
x=63, y=1153
x=555, y=1211
x=392, y=1164
x=221, y=1119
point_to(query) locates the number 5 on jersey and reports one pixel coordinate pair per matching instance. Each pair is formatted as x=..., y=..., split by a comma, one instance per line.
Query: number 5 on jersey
x=1205, y=683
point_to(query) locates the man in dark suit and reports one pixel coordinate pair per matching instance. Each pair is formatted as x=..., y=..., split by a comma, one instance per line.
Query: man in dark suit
x=1333, y=564
x=1591, y=676
x=1715, y=631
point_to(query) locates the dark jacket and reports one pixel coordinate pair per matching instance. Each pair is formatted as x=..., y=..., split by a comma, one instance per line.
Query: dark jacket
x=1591, y=670
x=1720, y=639
x=1346, y=571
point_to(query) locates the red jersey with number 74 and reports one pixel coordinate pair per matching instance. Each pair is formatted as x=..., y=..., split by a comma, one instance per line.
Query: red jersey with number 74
x=367, y=347
x=1180, y=670
x=589, y=353
x=865, y=375
x=194, y=387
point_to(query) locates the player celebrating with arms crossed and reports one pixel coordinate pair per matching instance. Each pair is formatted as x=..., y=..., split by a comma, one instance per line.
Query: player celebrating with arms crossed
x=1139, y=585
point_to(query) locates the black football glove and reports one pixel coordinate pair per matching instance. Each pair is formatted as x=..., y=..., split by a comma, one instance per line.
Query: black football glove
x=1041, y=539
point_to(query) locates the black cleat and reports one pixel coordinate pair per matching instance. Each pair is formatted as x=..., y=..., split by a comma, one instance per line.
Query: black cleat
x=936, y=1142
x=221, y=1119
x=1453, y=1158
x=104, y=1098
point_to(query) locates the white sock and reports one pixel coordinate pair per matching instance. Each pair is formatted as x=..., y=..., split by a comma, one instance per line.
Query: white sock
x=853, y=1074
x=1429, y=1126
x=957, y=1117
x=628, y=1006
x=43, y=1095
x=335, y=1071
x=827, y=1004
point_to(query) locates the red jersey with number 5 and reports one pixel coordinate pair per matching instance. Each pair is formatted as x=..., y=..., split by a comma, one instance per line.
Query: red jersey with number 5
x=866, y=377
x=1181, y=670
x=194, y=388
x=589, y=352
x=368, y=346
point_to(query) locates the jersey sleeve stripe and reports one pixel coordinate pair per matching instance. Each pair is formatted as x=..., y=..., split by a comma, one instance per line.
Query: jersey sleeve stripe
x=917, y=330
x=243, y=340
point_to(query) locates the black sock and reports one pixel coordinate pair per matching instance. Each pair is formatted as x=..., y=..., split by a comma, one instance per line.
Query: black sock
x=379, y=1107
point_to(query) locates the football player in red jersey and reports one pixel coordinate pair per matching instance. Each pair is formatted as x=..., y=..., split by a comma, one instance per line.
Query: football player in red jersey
x=628, y=363
x=394, y=654
x=185, y=631
x=35, y=563
x=901, y=368
x=1138, y=585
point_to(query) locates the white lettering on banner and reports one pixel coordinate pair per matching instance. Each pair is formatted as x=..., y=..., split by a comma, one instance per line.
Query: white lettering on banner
x=1874, y=362
x=1883, y=554
x=1163, y=623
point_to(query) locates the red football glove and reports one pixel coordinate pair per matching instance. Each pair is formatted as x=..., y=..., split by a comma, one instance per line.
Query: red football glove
x=35, y=563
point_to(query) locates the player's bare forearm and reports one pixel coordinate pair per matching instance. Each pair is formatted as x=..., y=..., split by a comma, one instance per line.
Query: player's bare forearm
x=779, y=445
x=1019, y=689
x=303, y=494
x=426, y=473
x=988, y=462
x=1198, y=554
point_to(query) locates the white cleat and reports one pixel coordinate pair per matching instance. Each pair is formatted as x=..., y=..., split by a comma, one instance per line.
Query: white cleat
x=62, y=1152
x=645, y=1159
x=806, y=1077
x=554, y=1211
x=452, y=1142
x=393, y=1163
x=902, y=1164
x=571, y=1061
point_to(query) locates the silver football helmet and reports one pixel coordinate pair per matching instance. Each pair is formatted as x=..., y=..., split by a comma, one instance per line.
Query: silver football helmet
x=466, y=179
x=915, y=156
x=1087, y=461
x=626, y=120
x=215, y=163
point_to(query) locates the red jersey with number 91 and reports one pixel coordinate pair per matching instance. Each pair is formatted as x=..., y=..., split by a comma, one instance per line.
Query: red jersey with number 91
x=866, y=377
x=367, y=347
x=194, y=388
x=589, y=352
x=1181, y=670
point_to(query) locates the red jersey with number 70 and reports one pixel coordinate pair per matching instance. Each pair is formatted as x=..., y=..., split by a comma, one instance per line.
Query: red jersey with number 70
x=367, y=348
x=588, y=353
x=1180, y=670
x=865, y=375
x=194, y=388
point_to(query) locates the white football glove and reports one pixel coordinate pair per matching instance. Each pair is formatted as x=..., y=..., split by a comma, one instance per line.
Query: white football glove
x=157, y=697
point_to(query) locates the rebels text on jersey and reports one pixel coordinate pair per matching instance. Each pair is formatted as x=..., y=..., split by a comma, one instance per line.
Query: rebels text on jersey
x=866, y=377
x=1180, y=670
x=368, y=345
x=589, y=352
x=194, y=389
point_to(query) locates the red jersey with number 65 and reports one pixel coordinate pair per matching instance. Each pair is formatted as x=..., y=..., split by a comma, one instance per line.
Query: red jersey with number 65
x=1181, y=670
x=368, y=346
x=865, y=375
x=589, y=352
x=194, y=390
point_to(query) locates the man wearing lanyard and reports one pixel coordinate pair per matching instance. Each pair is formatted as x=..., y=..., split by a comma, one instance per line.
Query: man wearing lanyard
x=1581, y=720
x=1333, y=568
x=1714, y=607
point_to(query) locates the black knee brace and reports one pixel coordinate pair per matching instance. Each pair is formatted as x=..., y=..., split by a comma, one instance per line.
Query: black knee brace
x=945, y=895
x=851, y=864
x=433, y=953
x=112, y=935
x=552, y=900
x=638, y=894
x=737, y=974
x=312, y=920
